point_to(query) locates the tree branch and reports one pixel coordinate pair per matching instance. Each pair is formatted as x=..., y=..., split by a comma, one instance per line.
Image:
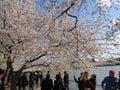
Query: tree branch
x=32, y=60
x=41, y=64
x=36, y=58
x=3, y=54
x=65, y=10
x=75, y=20
x=11, y=38
x=4, y=46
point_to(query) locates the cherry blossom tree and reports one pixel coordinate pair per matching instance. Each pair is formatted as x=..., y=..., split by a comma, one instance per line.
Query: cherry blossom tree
x=52, y=34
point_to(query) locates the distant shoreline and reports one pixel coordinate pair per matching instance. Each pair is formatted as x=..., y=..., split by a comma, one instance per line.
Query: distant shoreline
x=108, y=64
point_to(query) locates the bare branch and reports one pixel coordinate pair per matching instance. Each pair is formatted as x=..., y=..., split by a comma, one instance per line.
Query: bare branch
x=72, y=4
x=41, y=64
x=3, y=54
x=75, y=20
x=11, y=38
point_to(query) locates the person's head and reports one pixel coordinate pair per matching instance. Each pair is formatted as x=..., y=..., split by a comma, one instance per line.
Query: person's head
x=59, y=73
x=82, y=74
x=48, y=72
x=93, y=76
x=86, y=75
x=111, y=73
x=65, y=72
x=58, y=77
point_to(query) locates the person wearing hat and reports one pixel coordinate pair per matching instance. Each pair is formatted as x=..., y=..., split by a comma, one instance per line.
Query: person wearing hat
x=1, y=83
x=109, y=82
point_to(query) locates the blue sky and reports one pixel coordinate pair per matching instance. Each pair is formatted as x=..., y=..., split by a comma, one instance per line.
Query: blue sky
x=112, y=3
x=112, y=14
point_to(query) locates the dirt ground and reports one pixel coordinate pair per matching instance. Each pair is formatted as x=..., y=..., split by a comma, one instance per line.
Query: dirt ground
x=27, y=88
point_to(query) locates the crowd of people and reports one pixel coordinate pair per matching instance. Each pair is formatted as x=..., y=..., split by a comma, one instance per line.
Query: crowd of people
x=84, y=81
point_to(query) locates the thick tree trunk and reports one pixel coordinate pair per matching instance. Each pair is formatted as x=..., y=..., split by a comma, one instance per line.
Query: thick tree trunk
x=14, y=79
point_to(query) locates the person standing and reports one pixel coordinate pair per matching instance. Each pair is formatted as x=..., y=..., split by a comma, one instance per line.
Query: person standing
x=19, y=82
x=48, y=73
x=47, y=83
x=58, y=84
x=1, y=82
x=118, y=81
x=59, y=73
x=109, y=82
x=66, y=80
x=80, y=81
x=24, y=81
x=41, y=76
x=32, y=80
x=37, y=78
x=85, y=81
x=92, y=82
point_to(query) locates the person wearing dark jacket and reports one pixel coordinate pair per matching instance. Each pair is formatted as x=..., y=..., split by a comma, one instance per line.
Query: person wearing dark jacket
x=85, y=81
x=31, y=80
x=58, y=84
x=92, y=82
x=41, y=77
x=24, y=81
x=66, y=80
x=109, y=82
x=118, y=81
x=37, y=78
x=1, y=82
x=47, y=83
x=19, y=82
x=80, y=81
